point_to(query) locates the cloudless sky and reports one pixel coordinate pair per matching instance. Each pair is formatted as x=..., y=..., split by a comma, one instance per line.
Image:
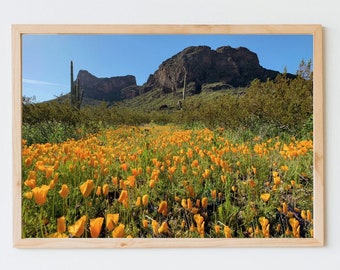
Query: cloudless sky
x=46, y=58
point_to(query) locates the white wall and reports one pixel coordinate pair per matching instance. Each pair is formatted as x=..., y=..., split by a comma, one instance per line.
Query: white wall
x=323, y=12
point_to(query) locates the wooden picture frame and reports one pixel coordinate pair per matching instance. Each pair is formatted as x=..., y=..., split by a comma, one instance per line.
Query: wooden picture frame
x=318, y=156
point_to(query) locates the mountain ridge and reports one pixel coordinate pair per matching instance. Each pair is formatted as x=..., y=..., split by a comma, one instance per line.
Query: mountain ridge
x=189, y=71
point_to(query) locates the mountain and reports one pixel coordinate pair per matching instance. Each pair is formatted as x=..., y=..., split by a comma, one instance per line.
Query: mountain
x=106, y=89
x=199, y=65
x=196, y=68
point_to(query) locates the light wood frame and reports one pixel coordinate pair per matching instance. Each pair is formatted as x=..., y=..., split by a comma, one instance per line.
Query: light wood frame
x=318, y=214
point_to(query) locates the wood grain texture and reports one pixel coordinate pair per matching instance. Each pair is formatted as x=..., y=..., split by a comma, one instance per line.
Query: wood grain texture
x=167, y=29
x=319, y=215
x=165, y=243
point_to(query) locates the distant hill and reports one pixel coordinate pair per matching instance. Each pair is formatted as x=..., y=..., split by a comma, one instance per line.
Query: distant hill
x=105, y=89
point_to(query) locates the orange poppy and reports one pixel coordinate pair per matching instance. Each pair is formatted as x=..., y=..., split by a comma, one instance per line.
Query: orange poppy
x=204, y=202
x=111, y=221
x=132, y=181
x=105, y=189
x=96, y=226
x=32, y=183
x=86, y=187
x=138, y=200
x=99, y=191
x=145, y=223
x=163, y=208
x=123, y=196
x=40, y=194
x=78, y=228
x=214, y=194
x=227, y=232
x=145, y=200
x=164, y=228
x=217, y=229
x=49, y=171
x=189, y=204
x=155, y=226
x=265, y=197
x=28, y=195
x=294, y=223
x=64, y=191
x=61, y=224
x=118, y=232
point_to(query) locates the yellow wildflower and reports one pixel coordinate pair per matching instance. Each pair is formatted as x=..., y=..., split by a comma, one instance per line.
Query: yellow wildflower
x=265, y=197
x=163, y=208
x=123, y=196
x=64, y=191
x=227, y=232
x=294, y=223
x=164, y=228
x=86, y=187
x=111, y=221
x=78, y=228
x=40, y=194
x=105, y=189
x=204, y=202
x=118, y=232
x=96, y=226
x=61, y=224
x=155, y=226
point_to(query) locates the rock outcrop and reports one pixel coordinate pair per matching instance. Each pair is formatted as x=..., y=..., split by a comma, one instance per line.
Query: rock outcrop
x=106, y=89
x=198, y=68
x=198, y=65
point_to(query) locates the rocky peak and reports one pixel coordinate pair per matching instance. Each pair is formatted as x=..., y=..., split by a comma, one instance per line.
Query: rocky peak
x=108, y=89
x=197, y=65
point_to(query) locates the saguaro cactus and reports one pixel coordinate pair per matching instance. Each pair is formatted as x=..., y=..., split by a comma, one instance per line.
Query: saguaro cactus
x=76, y=93
x=184, y=84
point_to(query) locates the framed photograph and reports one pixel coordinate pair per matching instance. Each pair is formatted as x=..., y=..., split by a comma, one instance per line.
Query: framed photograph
x=167, y=136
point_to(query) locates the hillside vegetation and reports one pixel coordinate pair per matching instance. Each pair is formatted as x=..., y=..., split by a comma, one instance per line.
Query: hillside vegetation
x=264, y=108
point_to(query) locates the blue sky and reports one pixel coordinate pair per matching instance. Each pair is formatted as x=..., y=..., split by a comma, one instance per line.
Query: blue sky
x=46, y=58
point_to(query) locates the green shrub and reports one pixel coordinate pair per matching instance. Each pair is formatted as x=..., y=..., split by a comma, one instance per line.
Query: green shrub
x=49, y=131
x=266, y=108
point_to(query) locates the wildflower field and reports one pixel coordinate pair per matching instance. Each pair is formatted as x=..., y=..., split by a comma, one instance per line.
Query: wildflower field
x=148, y=181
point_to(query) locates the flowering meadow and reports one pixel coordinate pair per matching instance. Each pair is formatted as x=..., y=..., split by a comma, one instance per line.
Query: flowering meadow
x=166, y=181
